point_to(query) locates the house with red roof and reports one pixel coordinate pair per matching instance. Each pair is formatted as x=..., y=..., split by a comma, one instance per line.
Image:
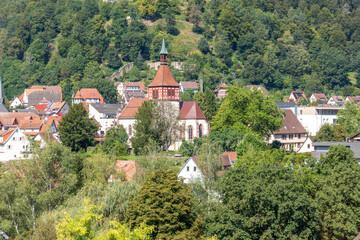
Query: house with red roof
x=296, y=96
x=318, y=97
x=336, y=101
x=13, y=145
x=189, y=86
x=88, y=96
x=192, y=121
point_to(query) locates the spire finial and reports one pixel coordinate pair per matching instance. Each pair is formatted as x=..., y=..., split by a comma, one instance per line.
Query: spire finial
x=163, y=48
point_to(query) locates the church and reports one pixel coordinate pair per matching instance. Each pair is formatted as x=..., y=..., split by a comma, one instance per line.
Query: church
x=192, y=121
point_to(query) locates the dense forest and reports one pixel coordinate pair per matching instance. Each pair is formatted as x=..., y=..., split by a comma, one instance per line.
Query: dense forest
x=283, y=45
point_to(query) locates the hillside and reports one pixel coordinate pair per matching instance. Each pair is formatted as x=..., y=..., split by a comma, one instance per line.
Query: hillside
x=283, y=45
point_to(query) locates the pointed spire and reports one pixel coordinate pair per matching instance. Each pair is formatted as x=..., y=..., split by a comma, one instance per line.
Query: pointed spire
x=163, y=48
x=2, y=97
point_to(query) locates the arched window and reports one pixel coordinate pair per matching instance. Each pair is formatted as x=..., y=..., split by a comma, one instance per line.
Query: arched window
x=130, y=130
x=190, y=133
x=200, y=130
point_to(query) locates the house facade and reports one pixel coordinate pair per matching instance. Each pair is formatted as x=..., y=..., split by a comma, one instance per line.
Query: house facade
x=88, y=96
x=336, y=101
x=307, y=147
x=13, y=145
x=292, y=134
x=190, y=172
x=105, y=114
x=189, y=86
x=296, y=96
x=318, y=97
x=321, y=148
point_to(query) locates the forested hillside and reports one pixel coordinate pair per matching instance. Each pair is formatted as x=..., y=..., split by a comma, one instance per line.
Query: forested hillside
x=308, y=45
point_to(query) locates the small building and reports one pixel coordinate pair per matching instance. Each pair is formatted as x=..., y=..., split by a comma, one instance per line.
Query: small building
x=123, y=87
x=296, y=96
x=37, y=97
x=292, y=134
x=353, y=99
x=318, y=97
x=229, y=159
x=189, y=86
x=13, y=145
x=190, y=172
x=220, y=91
x=307, y=147
x=105, y=114
x=321, y=148
x=58, y=109
x=88, y=96
x=128, y=95
x=336, y=101
x=18, y=101
x=40, y=97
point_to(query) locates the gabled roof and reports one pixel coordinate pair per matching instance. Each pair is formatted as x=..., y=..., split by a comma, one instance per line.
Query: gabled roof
x=6, y=134
x=164, y=78
x=11, y=118
x=354, y=99
x=132, y=108
x=338, y=99
x=108, y=108
x=191, y=110
x=232, y=155
x=291, y=124
x=21, y=97
x=30, y=124
x=189, y=85
x=320, y=96
x=88, y=93
x=128, y=95
x=40, y=96
x=297, y=95
x=40, y=107
x=141, y=86
x=56, y=89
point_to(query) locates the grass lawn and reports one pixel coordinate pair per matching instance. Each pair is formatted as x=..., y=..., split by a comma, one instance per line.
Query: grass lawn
x=351, y=76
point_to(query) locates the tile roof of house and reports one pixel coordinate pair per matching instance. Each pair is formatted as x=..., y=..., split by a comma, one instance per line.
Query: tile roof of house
x=131, y=109
x=3, y=108
x=108, y=108
x=164, y=78
x=189, y=85
x=128, y=95
x=285, y=104
x=222, y=85
x=9, y=118
x=354, y=99
x=40, y=107
x=320, y=96
x=40, y=96
x=57, y=106
x=338, y=99
x=191, y=110
x=141, y=86
x=21, y=97
x=43, y=89
x=30, y=124
x=232, y=155
x=5, y=134
x=291, y=124
x=88, y=93
x=354, y=146
x=50, y=136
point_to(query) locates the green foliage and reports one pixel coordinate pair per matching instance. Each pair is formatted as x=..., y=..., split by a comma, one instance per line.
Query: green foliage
x=116, y=141
x=208, y=158
x=77, y=131
x=206, y=102
x=330, y=133
x=163, y=203
x=250, y=140
x=349, y=118
x=248, y=112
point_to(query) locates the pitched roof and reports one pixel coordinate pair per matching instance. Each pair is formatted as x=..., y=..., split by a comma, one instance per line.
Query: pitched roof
x=9, y=118
x=191, y=110
x=132, y=108
x=232, y=155
x=141, y=86
x=291, y=124
x=128, y=95
x=3, y=108
x=21, y=97
x=108, y=108
x=40, y=96
x=88, y=93
x=285, y=104
x=320, y=96
x=164, y=78
x=40, y=107
x=189, y=85
x=5, y=134
x=338, y=99
x=57, y=89
x=298, y=95
x=354, y=99
x=30, y=124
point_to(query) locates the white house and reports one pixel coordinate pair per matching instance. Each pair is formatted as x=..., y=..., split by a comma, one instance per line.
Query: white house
x=313, y=118
x=190, y=172
x=13, y=145
x=307, y=147
x=336, y=101
x=105, y=115
x=318, y=97
x=16, y=102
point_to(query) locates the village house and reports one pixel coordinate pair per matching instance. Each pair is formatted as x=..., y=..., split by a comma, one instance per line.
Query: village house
x=192, y=121
x=353, y=99
x=296, y=96
x=88, y=96
x=229, y=157
x=123, y=87
x=292, y=134
x=189, y=86
x=321, y=148
x=336, y=101
x=220, y=91
x=13, y=145
x=318, y=97
x=313, y=118
x=105, y=114
x=50, y=93
x=307, y=147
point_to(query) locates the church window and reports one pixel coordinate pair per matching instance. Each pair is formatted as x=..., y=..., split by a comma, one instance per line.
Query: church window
x=200, y=130
x=190, y=132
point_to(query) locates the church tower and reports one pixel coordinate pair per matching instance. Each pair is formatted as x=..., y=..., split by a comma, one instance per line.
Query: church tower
x=164, y=86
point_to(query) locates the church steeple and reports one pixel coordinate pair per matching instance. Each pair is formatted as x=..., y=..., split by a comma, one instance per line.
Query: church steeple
x=163, y=53
x=2, y=97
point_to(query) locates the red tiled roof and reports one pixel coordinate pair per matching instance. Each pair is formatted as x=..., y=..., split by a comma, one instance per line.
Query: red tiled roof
x=135, y=84
x=88, y=93
x=40, y=107
x=320, y=96
x=163, y=77
x=21, y=97
x=131, y=109
x=6, y=134
x=338, y=99
x=191, y=110
x=30, y=124
x=291, y=124
x=189, y=85
x=43, y=89
x=232, y=155
x=11, y=118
